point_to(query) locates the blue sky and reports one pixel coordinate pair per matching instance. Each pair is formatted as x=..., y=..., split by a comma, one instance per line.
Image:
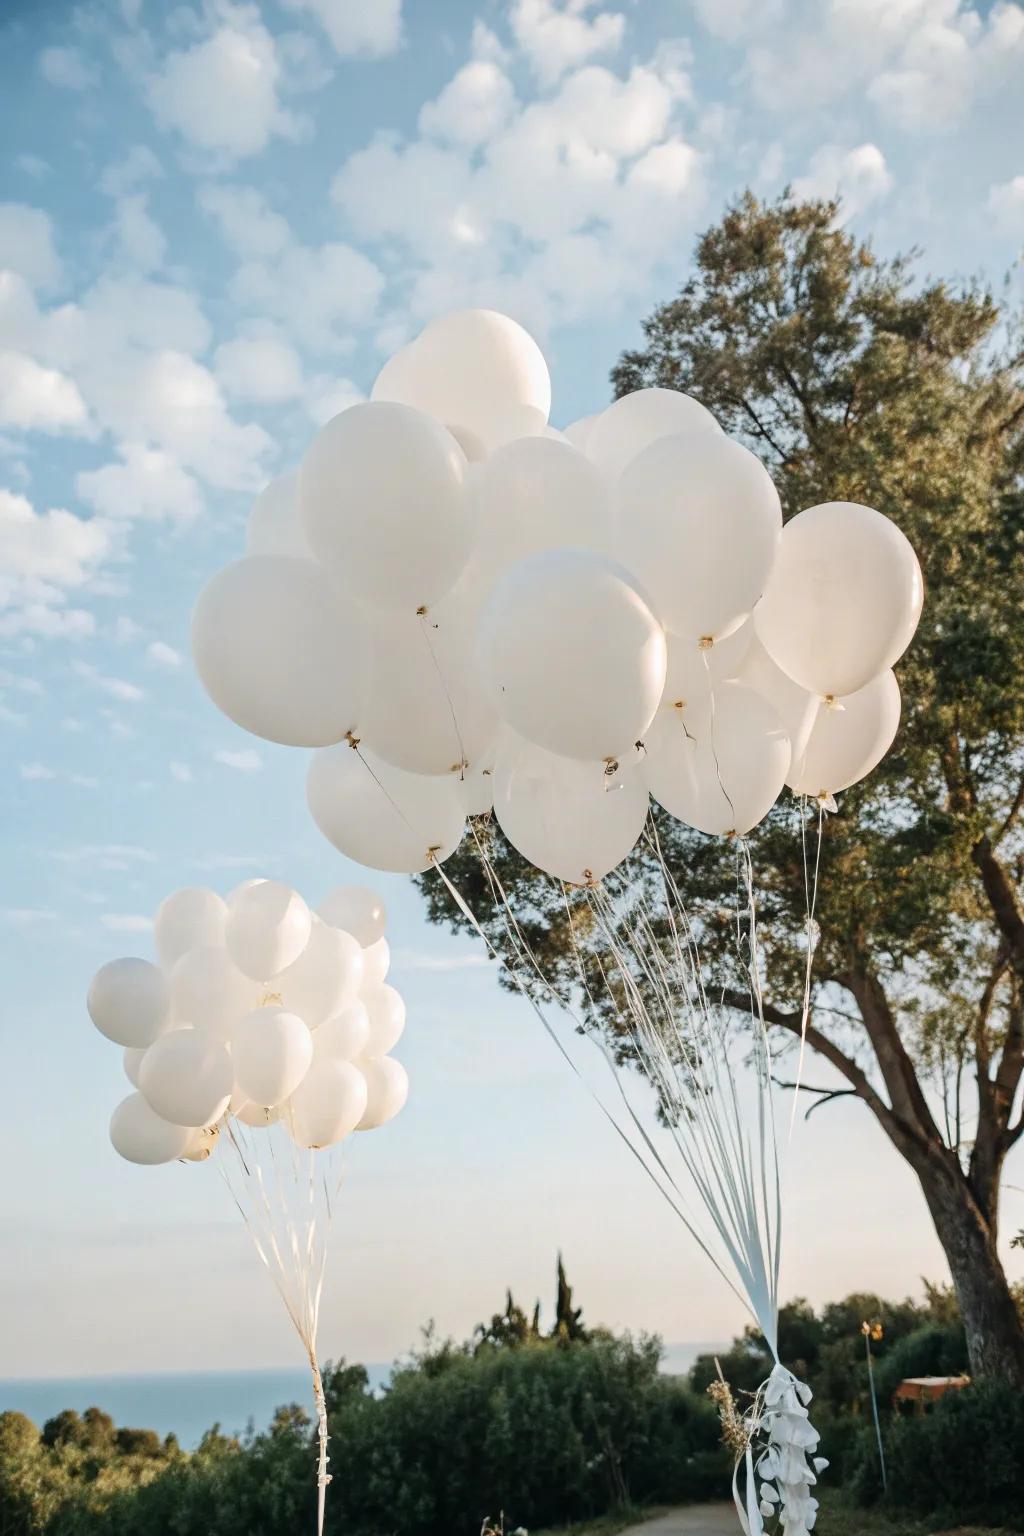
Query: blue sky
x=215, y=222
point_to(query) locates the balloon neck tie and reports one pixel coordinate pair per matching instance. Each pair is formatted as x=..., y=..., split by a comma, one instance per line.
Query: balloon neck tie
x=705, y=642
x=678, y=703
x=421, y=611
x=459, y=768
x=352, y=739
x=827, y=801
x=611, y=767
x=270, y=998
x=433, y=852
x=832, y=702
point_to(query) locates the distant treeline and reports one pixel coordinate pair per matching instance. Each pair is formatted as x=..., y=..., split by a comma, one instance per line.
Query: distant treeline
x=550, y=1426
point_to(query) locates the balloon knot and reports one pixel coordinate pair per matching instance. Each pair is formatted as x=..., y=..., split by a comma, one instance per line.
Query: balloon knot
x=705, y=642
x=352, y=739
x=611, y=767
x=832, y=702
x=269, y=998
x=433, y=852
x=679, y=704
x=421, y=611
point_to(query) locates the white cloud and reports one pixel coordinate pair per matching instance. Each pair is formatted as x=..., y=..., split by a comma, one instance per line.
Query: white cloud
x=221, y=95
x=357, y=28
x=474, y=104
x=32, y=771
x=860, y=176
x=141, y=244
x=24, y=916
x=596, y=170
x=259, y=368
x=107, y=856
x=35, y=398
x=163, y=655
x=115, y=687
x=126, y=175
x=247, y=222
x=182, y=772
x=26, y=245
x=34, y=166
x=1006, y=205
x=247, y=760
x=320, y=293
x=148, y=484
x=126, y=922
x=65, y=67
x=920, y=62
x=43, y=556
x=559, y=36
x=126, y=630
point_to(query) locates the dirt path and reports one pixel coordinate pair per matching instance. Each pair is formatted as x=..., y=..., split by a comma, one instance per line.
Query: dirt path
x=695, y=1520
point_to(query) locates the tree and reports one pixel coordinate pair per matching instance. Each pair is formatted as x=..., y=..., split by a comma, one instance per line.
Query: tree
x=851, y=381
x=568, y=1319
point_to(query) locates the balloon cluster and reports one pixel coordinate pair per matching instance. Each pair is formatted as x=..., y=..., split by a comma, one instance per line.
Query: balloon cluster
x=462, y=608
x=260, y=1010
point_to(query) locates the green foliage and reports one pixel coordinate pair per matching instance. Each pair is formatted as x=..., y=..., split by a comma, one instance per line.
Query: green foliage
x=550, y=1428
x=962, y=1460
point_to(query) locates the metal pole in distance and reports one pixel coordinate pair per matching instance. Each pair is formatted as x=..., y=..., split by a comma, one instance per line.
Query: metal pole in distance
x=870, y=1331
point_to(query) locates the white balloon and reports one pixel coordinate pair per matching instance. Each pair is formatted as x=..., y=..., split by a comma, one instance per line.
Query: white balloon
x=844, y=598
x=534, y=494
x=698, y=521
x=268, y=927
x=132, y=1058
x=474, y=370
x=279, y=651
x=635, y=421
x=565, y=817
x=381, y=816
x=578, y=432
x=140, y=1136
x=384, y=506
x=345, y=1037
x=274, y=527
x=427, y=709
x=719, y=764
x=795, y=707
x=260, y=1117
x=185, y=920
x=187, y=1077
x=326, y=976
x=129, y=1002
x=387, y=1085
x=386, y=1012
x=328, y=1104
x=209, y=992
x=376, y=963
x=271, y=1050
x=694, y=670
x=573, y=654
x=848, y=740
x=357, y=909
x=201, y=1143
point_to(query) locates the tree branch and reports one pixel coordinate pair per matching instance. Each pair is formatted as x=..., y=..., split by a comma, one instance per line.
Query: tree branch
x=1002, y=900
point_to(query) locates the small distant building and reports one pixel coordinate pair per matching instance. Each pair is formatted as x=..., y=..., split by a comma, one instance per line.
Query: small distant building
x=922, y=1390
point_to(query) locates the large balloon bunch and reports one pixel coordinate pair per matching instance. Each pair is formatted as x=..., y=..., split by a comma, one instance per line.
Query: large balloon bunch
x=259, y=1011
x=460, y=607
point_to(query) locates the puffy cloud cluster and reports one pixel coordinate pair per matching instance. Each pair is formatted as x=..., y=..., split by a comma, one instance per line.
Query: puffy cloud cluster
x=222, y=94
x=919, y=62
x=44, y=556
x=552, y=208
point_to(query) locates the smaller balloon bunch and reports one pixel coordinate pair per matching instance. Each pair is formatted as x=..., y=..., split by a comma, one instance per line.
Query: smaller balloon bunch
x=463, y=608
x=259, y=1010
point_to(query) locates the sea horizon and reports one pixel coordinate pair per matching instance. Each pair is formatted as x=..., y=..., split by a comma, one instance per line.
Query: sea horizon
x=188, y=1403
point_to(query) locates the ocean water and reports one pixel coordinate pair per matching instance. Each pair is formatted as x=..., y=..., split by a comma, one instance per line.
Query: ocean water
x=189, y=1403
x=185, y=1403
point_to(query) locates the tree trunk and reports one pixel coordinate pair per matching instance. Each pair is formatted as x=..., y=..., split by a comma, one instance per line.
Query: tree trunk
x=995, y=1335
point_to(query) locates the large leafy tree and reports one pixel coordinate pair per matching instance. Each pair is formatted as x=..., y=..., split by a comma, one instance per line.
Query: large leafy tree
x=852, y=380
